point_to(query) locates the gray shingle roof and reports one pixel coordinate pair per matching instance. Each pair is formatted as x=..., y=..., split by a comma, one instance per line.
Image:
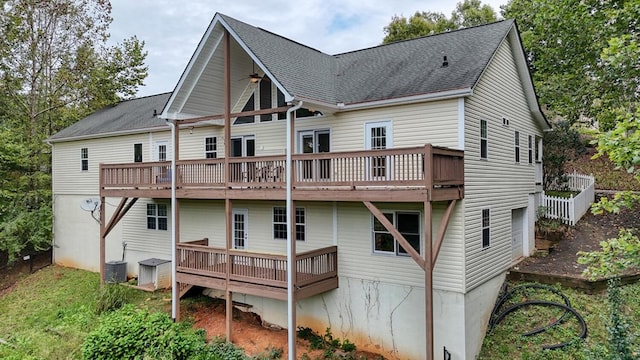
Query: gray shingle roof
x=405, y=68
x=303, y=71
x=415, y=67
x=128, y=115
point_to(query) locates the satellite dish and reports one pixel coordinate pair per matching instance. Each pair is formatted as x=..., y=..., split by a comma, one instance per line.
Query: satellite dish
x=90, y=204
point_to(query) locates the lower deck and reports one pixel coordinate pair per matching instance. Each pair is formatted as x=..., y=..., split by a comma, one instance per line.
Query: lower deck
x=255, y=273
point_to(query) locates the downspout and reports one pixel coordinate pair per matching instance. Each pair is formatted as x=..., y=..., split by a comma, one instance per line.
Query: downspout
x=174, y=289
x=291, y=324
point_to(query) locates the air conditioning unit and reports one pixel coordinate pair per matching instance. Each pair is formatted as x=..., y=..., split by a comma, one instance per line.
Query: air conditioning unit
x=154, y=273
x=115, y=271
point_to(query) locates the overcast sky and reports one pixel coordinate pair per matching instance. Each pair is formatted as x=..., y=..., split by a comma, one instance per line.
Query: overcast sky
x=171, y=29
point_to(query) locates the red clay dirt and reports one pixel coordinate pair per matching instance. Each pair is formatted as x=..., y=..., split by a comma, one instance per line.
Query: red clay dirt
x=249, y=333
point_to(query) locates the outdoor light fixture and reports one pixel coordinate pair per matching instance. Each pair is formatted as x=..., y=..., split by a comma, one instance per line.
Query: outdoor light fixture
x=254, y=78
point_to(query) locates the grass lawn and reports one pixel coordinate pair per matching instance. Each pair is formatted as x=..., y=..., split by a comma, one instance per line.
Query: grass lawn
x=49, y=313
x=506, y=341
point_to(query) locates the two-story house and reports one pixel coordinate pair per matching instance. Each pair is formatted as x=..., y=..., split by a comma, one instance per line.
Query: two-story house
x=382, y=193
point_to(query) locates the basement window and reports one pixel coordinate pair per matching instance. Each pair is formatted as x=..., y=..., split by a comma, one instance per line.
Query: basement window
x=406, y=222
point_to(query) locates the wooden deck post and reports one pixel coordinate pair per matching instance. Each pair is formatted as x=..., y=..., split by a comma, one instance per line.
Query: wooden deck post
x=228, y=294
x=428, y=279
x=428, y=256
x=227, y=177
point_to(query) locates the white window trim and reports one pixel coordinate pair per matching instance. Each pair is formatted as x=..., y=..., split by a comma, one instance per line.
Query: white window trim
x=157, y=217
x=84, y=157
x=516, y=147
x=214, y=152
x=482, y=228
x=530, y=150
x=304, y=224
x=486, y=139
x=397, y=246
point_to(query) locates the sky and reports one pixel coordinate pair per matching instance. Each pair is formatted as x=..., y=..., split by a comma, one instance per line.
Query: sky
x=172, y=29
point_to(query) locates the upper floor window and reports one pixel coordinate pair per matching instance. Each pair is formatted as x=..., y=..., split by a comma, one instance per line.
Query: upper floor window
x=157, y=216
x=530, y=151
x=406, y=222
x=517, y=146
x=483, y=139
x=84, y=159
x=280, y=223
x=210, y=147
x=137, y=152
x=486, y=228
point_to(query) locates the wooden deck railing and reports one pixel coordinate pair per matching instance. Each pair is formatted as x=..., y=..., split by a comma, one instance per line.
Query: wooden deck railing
x=390, y=167
x=257, y=268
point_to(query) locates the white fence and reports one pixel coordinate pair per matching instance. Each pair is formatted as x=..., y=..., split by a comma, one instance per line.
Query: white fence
x=570, y=210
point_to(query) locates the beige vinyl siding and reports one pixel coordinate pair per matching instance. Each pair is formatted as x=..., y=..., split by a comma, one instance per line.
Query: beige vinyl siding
x=139, y=238
x=498, y=183
x=204, y=218
x=68, y=178
x=357, y=260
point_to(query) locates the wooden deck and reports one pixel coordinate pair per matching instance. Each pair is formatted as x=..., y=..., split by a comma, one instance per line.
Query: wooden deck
x=403, y=174
x=256, y=273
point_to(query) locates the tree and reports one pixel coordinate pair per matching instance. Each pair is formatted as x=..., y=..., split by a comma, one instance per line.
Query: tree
x=467, y=13
x=564, y=41
x=560, y=145
x=55, y=68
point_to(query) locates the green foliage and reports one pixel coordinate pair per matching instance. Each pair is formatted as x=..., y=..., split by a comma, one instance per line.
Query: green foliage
x=111, y=297
x=564, y=42
x=220, y=349
x=271, y=353
x=616, y=256
x=620, y=339
x=326, y=342
x=129, y=333
x=560, y=146
x=622, y=143
x=55, y=68
x=467, y=13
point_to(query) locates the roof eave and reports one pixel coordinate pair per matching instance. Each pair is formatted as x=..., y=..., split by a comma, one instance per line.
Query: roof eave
x=107, y=134
x=441, y=95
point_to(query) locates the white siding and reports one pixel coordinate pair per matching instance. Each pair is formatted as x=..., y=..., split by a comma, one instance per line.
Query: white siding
x=497, y=183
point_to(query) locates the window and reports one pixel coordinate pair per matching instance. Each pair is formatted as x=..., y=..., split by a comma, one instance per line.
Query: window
x=265, y=99
x=157, y=216
x=486, y=230
x=517, y=146
x=407, y=223
x=249, y=106
x=162, y=152
x=137, y=152
x=210, y=147
x=84, y=159
x=280, y=223
x=483, y=139
x=530, y=149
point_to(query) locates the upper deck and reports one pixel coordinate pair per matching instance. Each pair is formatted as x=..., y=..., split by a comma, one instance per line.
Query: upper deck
x=424, y=173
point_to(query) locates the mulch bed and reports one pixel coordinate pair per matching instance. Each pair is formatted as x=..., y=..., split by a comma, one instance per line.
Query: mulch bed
x=11, y=273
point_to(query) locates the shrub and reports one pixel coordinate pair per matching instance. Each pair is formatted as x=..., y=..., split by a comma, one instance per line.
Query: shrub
x=129, y=333
x=219, y=349
x=111, y=297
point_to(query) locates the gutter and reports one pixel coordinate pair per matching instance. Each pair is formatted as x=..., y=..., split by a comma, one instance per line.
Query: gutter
x=107, y=134
x=291, y=256
x=443, y=95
